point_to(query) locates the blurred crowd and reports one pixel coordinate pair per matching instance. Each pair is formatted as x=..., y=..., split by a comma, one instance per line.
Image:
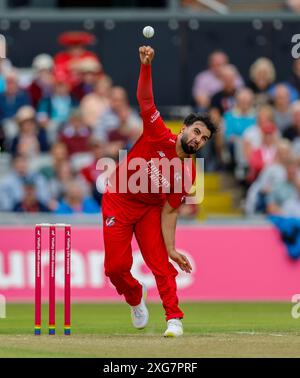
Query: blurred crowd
x=259, y=138
x=54, y=129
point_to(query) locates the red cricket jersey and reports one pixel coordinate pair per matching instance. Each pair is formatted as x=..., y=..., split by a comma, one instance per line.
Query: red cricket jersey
x=156, y=180
x=152, y=172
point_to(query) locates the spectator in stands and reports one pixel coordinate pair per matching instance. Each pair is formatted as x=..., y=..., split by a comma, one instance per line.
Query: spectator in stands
x=96, y=103
x=207, y=83
x=242, y=116
x=42, y=84
x=5, y=67
x=265, y=154
x=262, y=76
x=282, y=111
x=221, y=102
x=75, y=202
x=237, y=121
x=89, y=70
x=2, y=139
x=291, y=207
x=2, y=89
x=63, y=174
x=292, y=133
x=283, y=191
x=59, y=105
x=59, y=154
x=120, y=126
x=90, y=173
x=12, y=185
x=30, y=202
x=224, y=100
x=13, y=98
x=293, y=5
x=31, y=139
x=2, y=79
x=59, y=173
x=55, y=110
x=66, y=62
x=75, y=134
x=252, y=137
x=271, y=176
x=295, y=78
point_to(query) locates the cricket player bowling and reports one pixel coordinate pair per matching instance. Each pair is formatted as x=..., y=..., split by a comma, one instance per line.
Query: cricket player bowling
x=151, y=215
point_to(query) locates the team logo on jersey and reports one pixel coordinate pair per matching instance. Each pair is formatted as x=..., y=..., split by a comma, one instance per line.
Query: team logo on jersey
x=156, y=176
x=110, y=221
x=161, y=154
x=155, y=116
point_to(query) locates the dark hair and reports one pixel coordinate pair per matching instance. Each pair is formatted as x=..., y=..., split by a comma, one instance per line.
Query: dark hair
x=204, y=118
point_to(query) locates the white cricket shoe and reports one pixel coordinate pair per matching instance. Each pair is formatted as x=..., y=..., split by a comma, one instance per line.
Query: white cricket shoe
x=174, y=329
x=139, y=313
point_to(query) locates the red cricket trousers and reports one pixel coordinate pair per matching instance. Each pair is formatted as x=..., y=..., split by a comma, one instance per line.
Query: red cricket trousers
x=122, y=218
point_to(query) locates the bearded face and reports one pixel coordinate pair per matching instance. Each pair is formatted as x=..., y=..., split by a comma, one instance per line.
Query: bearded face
x=194, y=137
x=189, y=146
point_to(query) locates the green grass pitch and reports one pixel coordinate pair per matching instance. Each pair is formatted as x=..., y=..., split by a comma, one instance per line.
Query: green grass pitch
x=104, y=330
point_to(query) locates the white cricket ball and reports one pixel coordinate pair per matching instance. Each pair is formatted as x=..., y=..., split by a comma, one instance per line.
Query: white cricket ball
x=148, y=31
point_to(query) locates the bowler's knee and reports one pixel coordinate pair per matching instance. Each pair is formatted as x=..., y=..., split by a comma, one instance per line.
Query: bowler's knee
x=115, y=269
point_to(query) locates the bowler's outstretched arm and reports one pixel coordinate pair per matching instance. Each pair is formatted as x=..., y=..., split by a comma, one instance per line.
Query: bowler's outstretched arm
x=144, y=90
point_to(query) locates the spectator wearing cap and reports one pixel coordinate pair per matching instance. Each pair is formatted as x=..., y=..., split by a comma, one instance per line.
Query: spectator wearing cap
x=13, y=98
x=89, y=70
x=31, y=139
x=208, y=82
x=42, y=85
x=12, y=184
x=76, y=202
x=120, y=126
x=30, y=202
x=282, y=110
x=75, y=134
x=265, y=154
x=96, y=103
x=262, y=76
x=66, y=62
